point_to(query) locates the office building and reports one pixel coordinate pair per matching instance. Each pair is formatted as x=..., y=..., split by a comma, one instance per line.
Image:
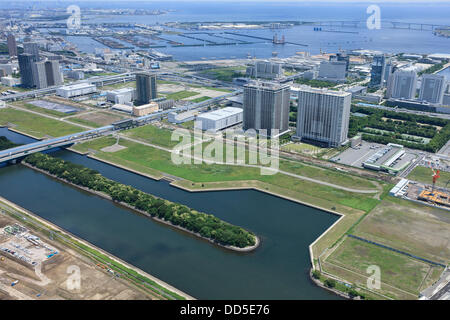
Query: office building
x=12, y=45
x=219, y=119
x=403, y=85
x=323, y=116
x=53, y=73
x=332, y=71
x=378, y=72
x=32, y=48
x=266, y=106
x=26, y=61
x=146, y=88
x=432, y=88
x=39, y=75
x=265, y=70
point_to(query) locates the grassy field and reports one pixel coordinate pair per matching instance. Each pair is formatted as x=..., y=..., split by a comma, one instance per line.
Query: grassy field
x=159, y=160
x=305, y=148
x=153, y=135
x=200, y=99
x=397, y=270
x=181, y=95
x=404, y=225
x=423, y=174
x=224, y=74
x=35, y=125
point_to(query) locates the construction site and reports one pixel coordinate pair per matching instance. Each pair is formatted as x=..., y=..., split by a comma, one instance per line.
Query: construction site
x=35, y=269
x=417, y=191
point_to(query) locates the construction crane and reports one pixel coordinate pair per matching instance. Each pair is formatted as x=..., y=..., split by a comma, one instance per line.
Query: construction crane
x=436, y=175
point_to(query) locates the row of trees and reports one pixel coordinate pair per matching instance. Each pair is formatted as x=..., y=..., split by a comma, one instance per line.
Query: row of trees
x=206, y=225
x=408, y=125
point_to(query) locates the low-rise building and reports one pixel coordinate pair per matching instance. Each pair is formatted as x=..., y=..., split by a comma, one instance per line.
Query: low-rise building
x=10, y=81
x=76, y=90
x=145, y=109
x=121, y=96
x=219, y=119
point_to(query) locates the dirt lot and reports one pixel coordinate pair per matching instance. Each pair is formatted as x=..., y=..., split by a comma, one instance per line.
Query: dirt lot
x=100, y=118
x=56, y=279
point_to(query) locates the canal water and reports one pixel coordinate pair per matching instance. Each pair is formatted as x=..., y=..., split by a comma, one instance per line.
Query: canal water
x=278, y=269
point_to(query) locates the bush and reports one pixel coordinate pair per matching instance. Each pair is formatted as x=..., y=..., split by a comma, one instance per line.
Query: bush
x=316, y=274
x=330, y=283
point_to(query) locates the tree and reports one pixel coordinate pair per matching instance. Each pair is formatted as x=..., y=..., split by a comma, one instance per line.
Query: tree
x=330, y=283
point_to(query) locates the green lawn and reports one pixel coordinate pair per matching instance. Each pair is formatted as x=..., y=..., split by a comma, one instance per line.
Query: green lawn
x=225, y=74
x=181, y=95
x=423, y=174
x=35, y=125
x=153, y=135
x=396, y=269
x=145, y=156
x=204, y=98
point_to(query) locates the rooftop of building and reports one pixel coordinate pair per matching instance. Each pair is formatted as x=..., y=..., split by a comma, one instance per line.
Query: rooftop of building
x=221, y=113
x=78, y=86
x=326, y=91
x=269, y=85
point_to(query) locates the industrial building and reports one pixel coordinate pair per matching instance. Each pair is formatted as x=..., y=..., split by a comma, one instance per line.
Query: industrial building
x=146, y=88
x=121, y=96
x=145, y=109
x=76, y=90
x=219, y=119
x=122, y=108
x=323, y=116
x=266, y=106
x=386, y=159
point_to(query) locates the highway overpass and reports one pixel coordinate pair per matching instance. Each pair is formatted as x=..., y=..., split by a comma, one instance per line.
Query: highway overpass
x=10, y=155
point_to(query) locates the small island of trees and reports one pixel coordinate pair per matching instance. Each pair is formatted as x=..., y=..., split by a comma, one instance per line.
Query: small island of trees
x=207, y=225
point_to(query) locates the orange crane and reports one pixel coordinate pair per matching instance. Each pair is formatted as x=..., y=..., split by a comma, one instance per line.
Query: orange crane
x=436, y=175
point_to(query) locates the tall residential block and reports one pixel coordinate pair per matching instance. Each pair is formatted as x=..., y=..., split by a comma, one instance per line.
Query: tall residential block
x=53, y=73
x=323, y=116
x=403, y=85
x=146, y=88
x=39, y=76
x=12, y=45
x=26, y=61
x=32, y=48
x=265, y=69
x=432, y=88
x=266, y=106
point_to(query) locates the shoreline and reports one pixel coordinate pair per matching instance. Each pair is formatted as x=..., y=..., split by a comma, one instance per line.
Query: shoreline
x=167, y=223
x=90, y=245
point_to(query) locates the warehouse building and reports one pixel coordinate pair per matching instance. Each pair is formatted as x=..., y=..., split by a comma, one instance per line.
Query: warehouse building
x=121, y=96
x=219, y=119
x=76, y=90
x=387, y=159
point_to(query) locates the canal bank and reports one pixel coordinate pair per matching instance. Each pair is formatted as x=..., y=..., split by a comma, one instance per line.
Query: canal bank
x=277, y=270
x=65, y=237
